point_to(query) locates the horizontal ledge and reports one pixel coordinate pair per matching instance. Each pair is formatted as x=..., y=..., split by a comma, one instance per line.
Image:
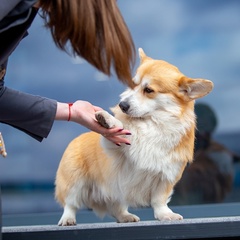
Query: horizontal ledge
x=217, y=227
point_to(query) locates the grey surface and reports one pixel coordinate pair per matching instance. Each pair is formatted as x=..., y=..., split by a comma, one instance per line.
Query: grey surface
x=186, y=229
x=200, y=221
x=85, y=216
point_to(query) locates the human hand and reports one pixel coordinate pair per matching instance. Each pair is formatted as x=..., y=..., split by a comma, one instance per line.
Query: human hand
x=83, y=112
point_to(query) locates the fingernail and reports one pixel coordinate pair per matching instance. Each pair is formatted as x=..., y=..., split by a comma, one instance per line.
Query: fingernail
x=120, y=130
x=128, y=143
x=128, y=133
x=118, y=144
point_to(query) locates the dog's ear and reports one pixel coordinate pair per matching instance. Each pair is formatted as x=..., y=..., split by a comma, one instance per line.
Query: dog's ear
x=192, y=89
x=142, y=55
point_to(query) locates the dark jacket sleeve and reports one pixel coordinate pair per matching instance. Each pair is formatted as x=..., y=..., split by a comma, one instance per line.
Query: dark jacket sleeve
x=11, y=36
x=32, y=114
x=7, y=6
x=13, y=8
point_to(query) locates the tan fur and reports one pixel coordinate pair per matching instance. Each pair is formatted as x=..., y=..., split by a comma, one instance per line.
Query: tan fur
x=159, y=112
x=77, y=163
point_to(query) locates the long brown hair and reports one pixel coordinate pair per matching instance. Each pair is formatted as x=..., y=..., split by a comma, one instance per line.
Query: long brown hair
x=94, y=30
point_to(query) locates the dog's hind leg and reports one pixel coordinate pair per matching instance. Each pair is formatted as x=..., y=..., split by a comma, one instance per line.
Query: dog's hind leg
x=107, y=120
x=121, y=213
x=71, y=204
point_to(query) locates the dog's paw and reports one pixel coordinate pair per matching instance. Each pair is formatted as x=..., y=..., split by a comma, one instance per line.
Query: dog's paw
x=128, y=218
x=103, y=119
x=107, y=120
x=67, y=222
x=170, y=216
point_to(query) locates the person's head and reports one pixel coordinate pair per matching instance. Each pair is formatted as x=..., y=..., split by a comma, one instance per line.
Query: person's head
x=206, y=125
x=94, y=30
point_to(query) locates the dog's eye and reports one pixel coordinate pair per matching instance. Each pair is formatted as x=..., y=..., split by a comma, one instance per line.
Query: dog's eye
x=148, y=90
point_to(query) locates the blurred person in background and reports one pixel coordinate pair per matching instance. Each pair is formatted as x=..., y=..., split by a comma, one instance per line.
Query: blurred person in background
x=210, y=177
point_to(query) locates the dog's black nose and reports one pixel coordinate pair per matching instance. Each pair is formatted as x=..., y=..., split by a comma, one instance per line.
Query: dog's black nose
x=124, y=106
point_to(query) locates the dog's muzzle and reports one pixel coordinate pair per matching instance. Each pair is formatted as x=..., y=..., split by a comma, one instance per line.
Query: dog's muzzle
x=124, y=106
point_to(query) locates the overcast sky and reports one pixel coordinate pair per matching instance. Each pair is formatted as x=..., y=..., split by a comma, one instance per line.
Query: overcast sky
x=200, y=37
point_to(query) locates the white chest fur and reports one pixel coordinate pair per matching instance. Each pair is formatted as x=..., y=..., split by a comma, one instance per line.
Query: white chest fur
x=139, y=168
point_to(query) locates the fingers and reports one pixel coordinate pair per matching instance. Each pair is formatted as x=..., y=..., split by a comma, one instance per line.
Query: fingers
x=118, y=140
x=114, y=132
x=118, y=131
x=117, y=136
x=86, y=117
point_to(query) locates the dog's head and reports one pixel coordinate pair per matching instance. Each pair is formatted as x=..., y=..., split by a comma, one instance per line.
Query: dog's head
x=160, y=86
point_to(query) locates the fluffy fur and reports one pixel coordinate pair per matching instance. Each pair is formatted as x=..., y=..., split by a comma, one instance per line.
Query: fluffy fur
x=159, y=112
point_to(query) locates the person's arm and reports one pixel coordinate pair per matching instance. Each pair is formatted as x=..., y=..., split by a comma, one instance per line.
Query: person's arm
x=31, y=114
x=35, y=115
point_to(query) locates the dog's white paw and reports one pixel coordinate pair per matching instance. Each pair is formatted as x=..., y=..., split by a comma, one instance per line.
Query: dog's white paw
x=107, y=120
x=170, y=216
x=128, y=218
x=69, y=216
x=67, y=222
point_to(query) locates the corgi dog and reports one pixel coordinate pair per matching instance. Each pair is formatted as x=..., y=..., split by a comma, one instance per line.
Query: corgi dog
x=159, y=112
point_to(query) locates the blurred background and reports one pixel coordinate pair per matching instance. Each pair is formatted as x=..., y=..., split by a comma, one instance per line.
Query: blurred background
x=200, y=37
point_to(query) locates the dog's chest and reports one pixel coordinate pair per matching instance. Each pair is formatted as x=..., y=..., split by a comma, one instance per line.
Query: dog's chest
x=138, y=188
x=153, y=149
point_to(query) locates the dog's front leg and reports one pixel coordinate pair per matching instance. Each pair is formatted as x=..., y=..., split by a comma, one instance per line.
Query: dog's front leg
x=159, y=200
